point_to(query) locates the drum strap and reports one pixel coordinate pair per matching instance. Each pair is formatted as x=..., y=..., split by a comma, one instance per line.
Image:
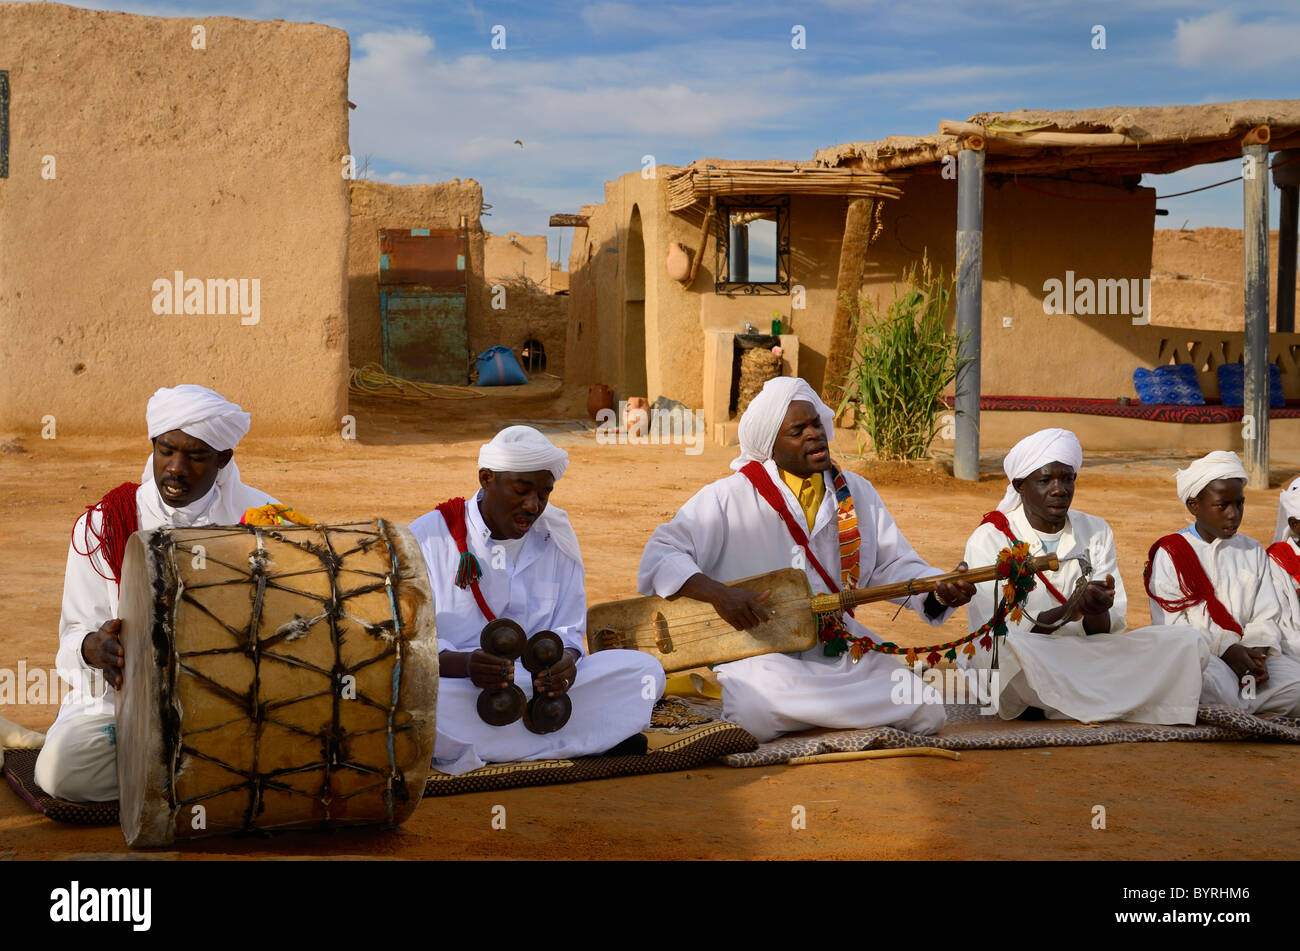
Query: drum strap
x=467, y=571
x=118, y=521
x=1286, y=558
x=1193, y=583
x=1003, y=525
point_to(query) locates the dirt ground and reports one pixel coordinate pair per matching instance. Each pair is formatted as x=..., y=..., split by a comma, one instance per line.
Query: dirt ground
x=1162, y=801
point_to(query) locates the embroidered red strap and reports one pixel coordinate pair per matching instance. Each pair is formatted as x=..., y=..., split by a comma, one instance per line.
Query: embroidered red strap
x=1000, y=522
x=467, y=573
x=118, y=521
x=1193, y=583
x=762, y=482
x=1286, y=558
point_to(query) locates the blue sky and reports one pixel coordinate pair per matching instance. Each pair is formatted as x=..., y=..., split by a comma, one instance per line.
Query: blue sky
x=591, y=88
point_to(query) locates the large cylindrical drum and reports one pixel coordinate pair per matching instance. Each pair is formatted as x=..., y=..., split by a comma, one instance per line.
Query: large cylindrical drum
x=277, y=677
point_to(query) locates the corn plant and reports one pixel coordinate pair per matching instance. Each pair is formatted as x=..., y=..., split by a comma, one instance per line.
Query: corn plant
x=902, y=364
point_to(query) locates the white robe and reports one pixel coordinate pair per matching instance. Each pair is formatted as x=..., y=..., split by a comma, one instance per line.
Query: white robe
x=75, y=762
x=1238, y=569
x=542, y=590
x=1149, y=675
x=727, y=531
x=1285, y=586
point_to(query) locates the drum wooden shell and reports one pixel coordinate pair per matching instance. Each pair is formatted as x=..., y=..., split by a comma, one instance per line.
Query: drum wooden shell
x=686, y=633
x=277, y=677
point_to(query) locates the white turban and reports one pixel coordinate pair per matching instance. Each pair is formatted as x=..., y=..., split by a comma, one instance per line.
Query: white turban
x=1219, y=464
x=524, y=449
x=763, y=417
x=1288, y=506
x=1033, y=453
x=199, y=412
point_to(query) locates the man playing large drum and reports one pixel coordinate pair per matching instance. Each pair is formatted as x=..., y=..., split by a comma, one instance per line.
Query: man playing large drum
x=190, y=479
x=789, y=505
x=509, y=559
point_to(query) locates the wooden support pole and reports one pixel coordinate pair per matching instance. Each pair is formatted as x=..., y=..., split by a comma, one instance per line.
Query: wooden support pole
x=1254, y=152
x=970, y=280
x=853, y=262
x=1287, y=179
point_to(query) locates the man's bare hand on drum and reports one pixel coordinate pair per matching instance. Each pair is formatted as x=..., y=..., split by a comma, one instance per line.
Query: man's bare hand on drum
x=559, y=677
x=102, y=650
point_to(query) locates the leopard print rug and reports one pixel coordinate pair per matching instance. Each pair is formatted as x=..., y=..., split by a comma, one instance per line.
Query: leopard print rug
x=968, y=729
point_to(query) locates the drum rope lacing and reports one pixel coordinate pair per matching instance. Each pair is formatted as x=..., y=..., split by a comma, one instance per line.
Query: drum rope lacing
x=250, y=646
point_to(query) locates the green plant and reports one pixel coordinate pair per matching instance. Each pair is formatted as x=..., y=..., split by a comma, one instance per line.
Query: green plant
x=902, y=364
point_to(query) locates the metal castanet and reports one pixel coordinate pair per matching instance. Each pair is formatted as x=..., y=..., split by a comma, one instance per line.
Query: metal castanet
x=686, y=633
x=501, y=706
x=545, y=714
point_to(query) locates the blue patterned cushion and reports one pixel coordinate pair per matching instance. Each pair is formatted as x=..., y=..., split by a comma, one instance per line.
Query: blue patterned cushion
x=1232, y=385
x=1177, y=384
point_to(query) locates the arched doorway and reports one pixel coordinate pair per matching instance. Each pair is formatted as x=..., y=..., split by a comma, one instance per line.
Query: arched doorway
x=634, y=369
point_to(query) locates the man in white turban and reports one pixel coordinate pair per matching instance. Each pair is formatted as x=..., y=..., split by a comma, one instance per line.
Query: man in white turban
x=1215, y=581
x=189, y=479
x=789, y=505
x=1070, y=655
x=1284, y=565
x=508, y=554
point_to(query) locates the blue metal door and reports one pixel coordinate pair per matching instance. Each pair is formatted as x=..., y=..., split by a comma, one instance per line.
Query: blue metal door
x=422, y=282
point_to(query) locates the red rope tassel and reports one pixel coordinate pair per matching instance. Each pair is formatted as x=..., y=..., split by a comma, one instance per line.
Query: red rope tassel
x=1193, y=583
x=118, y=522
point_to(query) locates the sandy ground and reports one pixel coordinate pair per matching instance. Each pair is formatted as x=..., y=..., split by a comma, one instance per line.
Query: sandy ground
x=1167, y=801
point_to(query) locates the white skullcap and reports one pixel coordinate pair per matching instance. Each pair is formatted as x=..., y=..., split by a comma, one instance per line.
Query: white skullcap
x=199, y=412
x=1033, y=453
x=522, y=449
x=1219, y=464
x=1288, y=506
x=763, y=417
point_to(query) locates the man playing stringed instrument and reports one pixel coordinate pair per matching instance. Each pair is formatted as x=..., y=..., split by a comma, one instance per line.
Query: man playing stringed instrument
x=790, y=505
x=190, y=479
x=1215, y=581
x=508, y=553
x=1069, y=655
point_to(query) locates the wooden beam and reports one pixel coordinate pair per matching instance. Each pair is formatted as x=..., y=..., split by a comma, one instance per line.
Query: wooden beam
x=1254, y=234
x=848, y=287
x=568, y=221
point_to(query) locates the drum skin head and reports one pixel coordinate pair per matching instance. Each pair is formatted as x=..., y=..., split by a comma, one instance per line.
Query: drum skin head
x=277, y=677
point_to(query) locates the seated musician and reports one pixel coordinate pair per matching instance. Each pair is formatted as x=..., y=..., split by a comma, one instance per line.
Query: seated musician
x=1284, y=564
x=1215, y=581
x=190, y=479
x=507, y=553
x=790, y=505
x=1070, y=655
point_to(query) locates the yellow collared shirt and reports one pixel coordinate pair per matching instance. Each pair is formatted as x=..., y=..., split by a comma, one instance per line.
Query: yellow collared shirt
x=809, y=492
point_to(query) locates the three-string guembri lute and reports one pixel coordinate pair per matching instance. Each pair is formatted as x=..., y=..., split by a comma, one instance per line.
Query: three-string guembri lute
x=685, y=633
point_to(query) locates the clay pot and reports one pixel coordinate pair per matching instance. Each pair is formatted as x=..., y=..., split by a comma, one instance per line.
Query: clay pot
x=599, y=397
x=679, y=262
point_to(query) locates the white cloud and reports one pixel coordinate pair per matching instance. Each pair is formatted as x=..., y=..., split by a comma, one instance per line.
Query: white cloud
x=1219, y=40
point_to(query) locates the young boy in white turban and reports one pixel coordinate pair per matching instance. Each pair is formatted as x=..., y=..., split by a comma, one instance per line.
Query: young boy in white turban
x=508, y=553
x=1070, y=656
x=189, y=479
x=1216, y=581
x=789, y=504
x=1284, y=565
